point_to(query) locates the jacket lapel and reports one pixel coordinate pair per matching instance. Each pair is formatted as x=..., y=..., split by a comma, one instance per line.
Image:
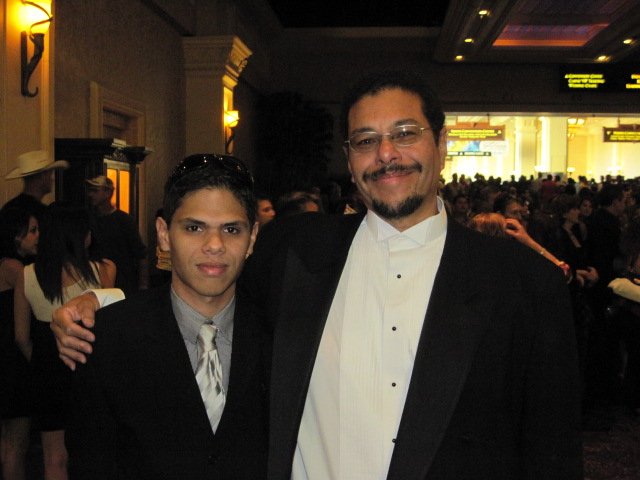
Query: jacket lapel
x=312, y=274
x=173, y=369
x=446, y=348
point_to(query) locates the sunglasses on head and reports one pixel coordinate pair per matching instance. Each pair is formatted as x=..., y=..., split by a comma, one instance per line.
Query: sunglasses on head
x=230, y=165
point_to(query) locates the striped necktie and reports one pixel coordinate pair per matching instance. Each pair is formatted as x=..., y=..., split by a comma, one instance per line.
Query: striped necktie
x=209, y=374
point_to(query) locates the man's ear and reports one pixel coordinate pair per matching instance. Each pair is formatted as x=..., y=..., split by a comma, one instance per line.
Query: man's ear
x=252, y=240
x=162, y=231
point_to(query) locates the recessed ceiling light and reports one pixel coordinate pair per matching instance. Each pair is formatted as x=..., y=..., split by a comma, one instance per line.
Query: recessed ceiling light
x=459, y=58
x=602, y=58
x=628, y=41
x=483, y=13
x=468, y=40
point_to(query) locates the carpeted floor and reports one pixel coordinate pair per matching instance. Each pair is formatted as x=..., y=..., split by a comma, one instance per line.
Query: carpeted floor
x=611, y=448
x=614, y=453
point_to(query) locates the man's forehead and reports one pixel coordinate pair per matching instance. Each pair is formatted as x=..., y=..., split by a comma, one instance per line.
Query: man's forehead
x=394, y=104
x=230, y=207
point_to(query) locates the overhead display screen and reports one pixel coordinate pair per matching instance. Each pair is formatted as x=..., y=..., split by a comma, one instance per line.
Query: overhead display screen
x=623, y=133
x=600, y=78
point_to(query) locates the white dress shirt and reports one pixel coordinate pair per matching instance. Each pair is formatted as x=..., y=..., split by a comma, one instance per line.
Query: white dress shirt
x=363, y=367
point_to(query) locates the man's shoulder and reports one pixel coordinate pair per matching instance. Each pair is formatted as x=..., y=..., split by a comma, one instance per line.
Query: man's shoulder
x=139, y=307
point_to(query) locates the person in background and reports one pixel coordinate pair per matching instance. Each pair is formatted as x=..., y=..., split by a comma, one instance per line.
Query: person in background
x=63, y=269
x=492, y=224
x=603, y=244
x=117, y=236
x=460, y=209
x=265, y=211
x=36, y=170
x=18, y=240
x=296, y=203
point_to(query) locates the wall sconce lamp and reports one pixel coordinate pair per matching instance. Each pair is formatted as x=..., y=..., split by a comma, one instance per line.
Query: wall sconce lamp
x=231, y=120
x=37, y=30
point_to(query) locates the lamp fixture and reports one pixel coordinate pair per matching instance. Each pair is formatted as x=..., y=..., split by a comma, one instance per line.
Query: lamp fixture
x=37, y=38
x=602, y=58
x=231, y=120
x=628, y=41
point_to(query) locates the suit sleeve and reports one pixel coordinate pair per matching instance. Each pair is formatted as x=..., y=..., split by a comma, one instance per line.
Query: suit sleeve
x=551, y=437
x=91, y=433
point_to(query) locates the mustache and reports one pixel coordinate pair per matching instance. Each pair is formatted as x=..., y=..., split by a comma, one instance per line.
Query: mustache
x=391, y=168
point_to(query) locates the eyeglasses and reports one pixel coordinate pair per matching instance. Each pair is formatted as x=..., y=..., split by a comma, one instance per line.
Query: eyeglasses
x=400, y=136
x=230, y=165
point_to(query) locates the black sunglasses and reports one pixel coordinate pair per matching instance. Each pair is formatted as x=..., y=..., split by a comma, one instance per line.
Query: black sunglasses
x=231, y=165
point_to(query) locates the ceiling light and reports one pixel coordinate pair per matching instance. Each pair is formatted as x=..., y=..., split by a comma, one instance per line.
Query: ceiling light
x=602, y=58
x=484, y=12
x=459, y=58
x=468, y=40
x=628, y=41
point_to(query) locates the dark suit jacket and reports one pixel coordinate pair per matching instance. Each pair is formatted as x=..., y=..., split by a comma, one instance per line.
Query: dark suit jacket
x=138, y=413
x=494, y=390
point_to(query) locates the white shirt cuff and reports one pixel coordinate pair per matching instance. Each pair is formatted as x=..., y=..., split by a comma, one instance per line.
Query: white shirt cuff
x=107, y=296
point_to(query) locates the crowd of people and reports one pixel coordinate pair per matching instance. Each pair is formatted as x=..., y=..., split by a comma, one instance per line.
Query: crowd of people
x=591, y=230
x=379, y=336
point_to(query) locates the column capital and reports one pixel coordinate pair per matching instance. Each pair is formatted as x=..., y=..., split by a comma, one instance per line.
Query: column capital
x=217, y=55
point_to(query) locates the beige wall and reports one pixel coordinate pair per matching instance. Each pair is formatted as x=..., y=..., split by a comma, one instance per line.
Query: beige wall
x=25, y=123
x=126, y=48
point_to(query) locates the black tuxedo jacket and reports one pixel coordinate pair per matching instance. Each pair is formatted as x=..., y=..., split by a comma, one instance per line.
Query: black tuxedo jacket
x=138, y=413
x=494, y=390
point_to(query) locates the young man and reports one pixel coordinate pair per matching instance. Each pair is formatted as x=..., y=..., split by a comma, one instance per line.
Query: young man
x=406, y=346
x=140, y=411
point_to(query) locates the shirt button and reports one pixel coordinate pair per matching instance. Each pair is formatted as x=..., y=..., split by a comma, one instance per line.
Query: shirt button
x=393, y=384
x=393, y=440
x=393, y=328
x=398, y=276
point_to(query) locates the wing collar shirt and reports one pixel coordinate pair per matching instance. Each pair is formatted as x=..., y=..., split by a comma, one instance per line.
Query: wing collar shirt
x=364, y=362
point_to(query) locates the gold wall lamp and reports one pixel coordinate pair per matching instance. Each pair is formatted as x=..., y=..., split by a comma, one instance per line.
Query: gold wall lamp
x=40, y=19
x=231, y=120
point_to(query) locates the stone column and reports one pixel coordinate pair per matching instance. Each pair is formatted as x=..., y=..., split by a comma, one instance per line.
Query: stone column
x=213, y=65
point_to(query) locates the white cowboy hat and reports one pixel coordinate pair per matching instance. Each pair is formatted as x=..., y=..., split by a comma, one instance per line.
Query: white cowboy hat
x=34, y=162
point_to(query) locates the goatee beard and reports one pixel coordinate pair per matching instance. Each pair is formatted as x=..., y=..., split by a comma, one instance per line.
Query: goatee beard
x=408, y=206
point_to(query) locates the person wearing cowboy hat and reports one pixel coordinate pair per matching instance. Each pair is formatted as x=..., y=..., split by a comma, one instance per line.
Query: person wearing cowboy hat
x=36, y=169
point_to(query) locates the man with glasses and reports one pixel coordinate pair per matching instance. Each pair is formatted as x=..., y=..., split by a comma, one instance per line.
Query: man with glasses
x=147, y=407
x=406, y=346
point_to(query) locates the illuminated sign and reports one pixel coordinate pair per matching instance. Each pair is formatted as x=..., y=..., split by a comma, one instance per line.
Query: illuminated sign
x=476, y=133
x=583, y=81
x=600, y=78
x=623, y=133
x=469, y=154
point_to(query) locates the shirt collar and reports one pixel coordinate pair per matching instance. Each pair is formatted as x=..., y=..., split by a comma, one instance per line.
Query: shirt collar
x=422, y=233
x=190, y=321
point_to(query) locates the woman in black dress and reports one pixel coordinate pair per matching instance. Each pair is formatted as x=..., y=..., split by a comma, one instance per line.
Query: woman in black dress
x=18, y=241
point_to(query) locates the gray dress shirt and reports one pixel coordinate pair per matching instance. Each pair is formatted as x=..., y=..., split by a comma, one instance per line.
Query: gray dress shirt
x=190, y=321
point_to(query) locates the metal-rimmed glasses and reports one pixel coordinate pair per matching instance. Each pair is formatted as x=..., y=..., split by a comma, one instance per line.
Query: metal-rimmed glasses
x=400, y=136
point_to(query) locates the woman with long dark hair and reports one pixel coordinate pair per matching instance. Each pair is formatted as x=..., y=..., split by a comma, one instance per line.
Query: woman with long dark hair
x=63, y=269
x=18, y=242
